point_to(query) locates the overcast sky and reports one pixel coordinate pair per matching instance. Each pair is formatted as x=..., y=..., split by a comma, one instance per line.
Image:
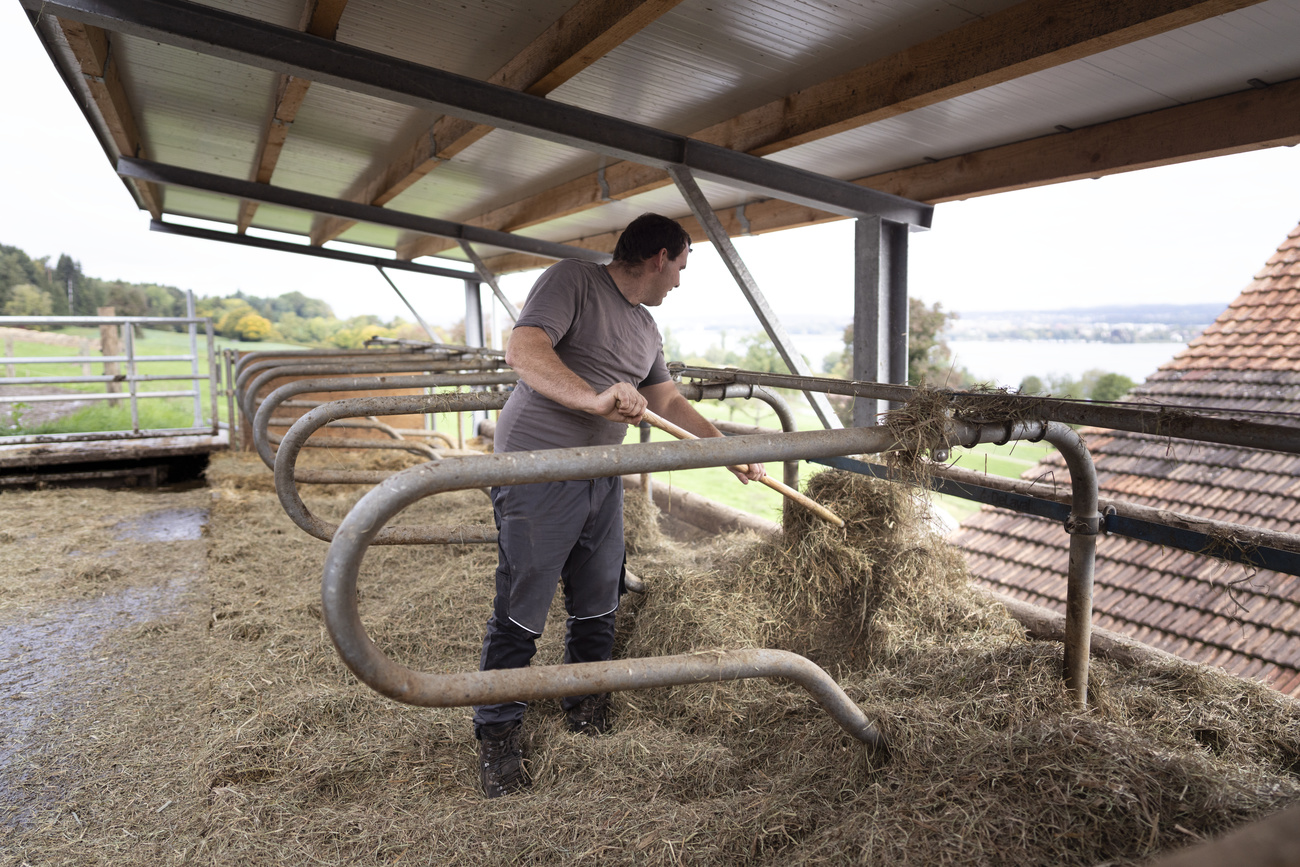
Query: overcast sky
x=1195, y=232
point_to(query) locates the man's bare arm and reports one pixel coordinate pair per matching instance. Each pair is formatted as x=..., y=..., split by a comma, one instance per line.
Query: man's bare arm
x=533, y=357
x=665, y=400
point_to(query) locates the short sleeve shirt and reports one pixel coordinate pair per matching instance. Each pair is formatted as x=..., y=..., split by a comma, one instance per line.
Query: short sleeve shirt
x=600, y=337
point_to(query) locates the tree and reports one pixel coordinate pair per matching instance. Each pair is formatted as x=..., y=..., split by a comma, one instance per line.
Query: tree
x=127, y=299
x=929, y=360
x=300, y=305
x=1110, y=387
x=1032, y=385
x=26, y=300
x=68, y=280
x=761, y=354
x=227, y=317
x=253, y=326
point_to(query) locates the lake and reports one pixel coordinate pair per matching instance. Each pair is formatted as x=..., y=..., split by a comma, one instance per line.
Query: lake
x=1001, y=362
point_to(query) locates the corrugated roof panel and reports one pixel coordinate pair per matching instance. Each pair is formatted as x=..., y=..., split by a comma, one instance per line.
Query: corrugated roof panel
x=282, y=13
x=201, y=111
x=474, y=39
x=704, y=62
x=203, y=206
x=1073, y=95
x=501, y=168
x=335, y=137
x=1144, y=76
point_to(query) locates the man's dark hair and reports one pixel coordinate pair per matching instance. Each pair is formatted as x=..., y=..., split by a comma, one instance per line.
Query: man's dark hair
x=645, y=236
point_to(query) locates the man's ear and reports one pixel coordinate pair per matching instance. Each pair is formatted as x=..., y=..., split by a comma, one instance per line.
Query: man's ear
x=661, y=259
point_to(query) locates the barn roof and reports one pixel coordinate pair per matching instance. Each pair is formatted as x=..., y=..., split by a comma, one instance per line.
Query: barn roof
x=1248, y=362
x=368, y=121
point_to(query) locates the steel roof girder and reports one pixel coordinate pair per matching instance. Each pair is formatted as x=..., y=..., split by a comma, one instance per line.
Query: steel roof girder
x=267, y=194
x=304, y=250
x=247, y=40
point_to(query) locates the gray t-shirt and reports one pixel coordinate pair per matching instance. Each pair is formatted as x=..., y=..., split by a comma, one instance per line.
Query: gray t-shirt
x=600, y=337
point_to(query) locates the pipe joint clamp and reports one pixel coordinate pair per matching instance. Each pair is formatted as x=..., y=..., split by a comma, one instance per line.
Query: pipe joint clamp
x=1076, y=526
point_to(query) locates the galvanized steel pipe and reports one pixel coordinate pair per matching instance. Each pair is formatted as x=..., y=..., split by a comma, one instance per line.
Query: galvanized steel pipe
x=364, y=526
x=364, y=383
x=286, y=458
x=1171, y=422
x=247, y=390
x=1083, y=527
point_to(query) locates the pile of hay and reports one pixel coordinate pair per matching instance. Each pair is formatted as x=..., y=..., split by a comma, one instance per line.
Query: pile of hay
x=244, y=739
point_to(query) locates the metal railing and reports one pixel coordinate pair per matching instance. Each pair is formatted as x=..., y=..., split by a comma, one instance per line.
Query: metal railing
x=202, y=368
x=963, y=423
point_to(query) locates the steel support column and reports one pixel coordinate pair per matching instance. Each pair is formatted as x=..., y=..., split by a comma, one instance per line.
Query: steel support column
x=474, y=336
x=721, y=241
x=879, y=310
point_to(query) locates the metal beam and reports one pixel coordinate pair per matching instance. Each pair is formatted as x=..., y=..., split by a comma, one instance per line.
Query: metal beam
x=279, y=49
x=237, y=189
x=879, y=311
x=304, y=250
x=485, y=274
x=721, y=241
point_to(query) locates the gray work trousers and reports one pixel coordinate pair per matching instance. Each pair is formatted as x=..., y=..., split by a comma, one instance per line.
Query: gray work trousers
x=551, y=533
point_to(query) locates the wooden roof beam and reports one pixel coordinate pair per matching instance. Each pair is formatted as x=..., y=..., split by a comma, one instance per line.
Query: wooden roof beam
x=580, y=37
x=1030, y=37
x=1244, y=121
x=319, y=18
x=92, y=48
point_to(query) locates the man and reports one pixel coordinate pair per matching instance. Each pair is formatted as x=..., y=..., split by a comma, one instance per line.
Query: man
x=590, y=362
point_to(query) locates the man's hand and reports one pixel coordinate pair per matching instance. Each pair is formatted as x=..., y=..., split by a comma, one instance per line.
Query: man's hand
x=621, y=402
x=753, y=472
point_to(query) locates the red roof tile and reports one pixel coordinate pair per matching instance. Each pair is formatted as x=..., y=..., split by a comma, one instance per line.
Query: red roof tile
x=1248, y=364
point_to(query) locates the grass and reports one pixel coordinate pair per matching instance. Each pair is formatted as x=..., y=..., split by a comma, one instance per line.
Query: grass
x=1009, y=461
x=171, y=414
x=153, y=413
x=714, y=483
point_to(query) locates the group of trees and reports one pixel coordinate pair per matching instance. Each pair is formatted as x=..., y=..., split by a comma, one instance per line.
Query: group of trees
x=929, y=358
x=295, y=318
x=1095, y=384
x=756, y=352
x=32, y=287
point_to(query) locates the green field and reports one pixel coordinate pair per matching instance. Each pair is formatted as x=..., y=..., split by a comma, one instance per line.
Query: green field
x=720, y=485
x=160, y=413
x=716, y=483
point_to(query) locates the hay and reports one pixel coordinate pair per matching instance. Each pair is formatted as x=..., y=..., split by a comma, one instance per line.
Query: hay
x=235, y=736
x=641, y=531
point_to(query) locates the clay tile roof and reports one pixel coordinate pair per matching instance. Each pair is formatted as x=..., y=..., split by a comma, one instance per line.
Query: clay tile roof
x=1245, y=621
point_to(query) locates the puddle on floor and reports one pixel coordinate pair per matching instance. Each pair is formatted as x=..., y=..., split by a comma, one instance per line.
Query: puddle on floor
x=164, y=525
x=61, y=656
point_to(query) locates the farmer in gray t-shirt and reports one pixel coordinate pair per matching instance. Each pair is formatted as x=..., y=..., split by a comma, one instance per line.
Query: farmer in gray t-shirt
x=590, y=361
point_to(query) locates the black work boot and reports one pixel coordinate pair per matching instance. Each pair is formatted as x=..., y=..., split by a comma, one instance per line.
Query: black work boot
x=501, y=758
x=590, y=716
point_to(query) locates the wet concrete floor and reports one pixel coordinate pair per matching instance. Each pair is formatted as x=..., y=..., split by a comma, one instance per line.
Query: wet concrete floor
x=61, y=654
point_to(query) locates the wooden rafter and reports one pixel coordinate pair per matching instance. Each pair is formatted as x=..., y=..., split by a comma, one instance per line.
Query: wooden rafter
x=1026, y=38
x=1236, y=123
x=319, y=18
x=580, y=37
x=93, y=50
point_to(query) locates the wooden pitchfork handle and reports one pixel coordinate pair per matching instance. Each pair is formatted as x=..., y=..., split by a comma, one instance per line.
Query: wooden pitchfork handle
x=811, y=505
